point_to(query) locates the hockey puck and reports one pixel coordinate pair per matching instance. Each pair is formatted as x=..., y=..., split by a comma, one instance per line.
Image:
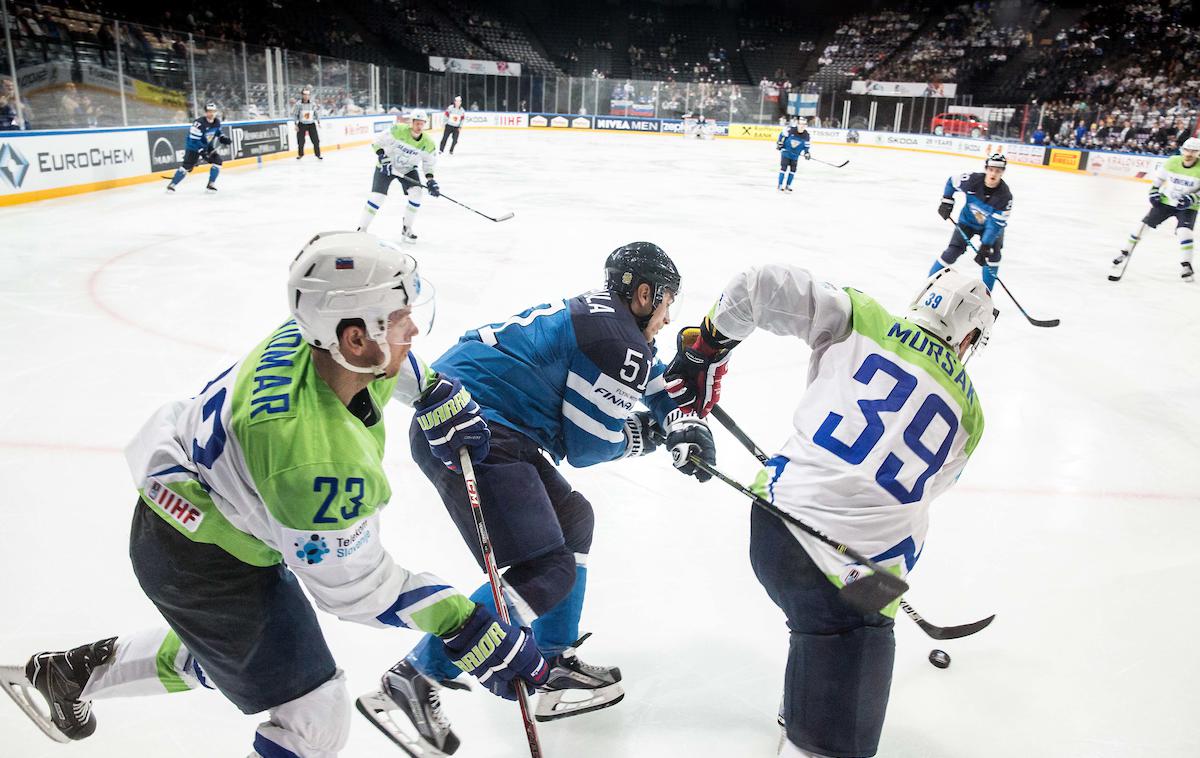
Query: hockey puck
x=939, y=658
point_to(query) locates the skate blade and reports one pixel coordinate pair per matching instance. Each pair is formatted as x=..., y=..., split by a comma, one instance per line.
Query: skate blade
x=561, y=704
x=13, y=681
x=378, y=709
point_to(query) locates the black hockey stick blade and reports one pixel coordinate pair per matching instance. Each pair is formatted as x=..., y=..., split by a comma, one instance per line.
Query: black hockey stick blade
x=1030, y=319
x=874, y=592
x=946, y=632
x=843, y=164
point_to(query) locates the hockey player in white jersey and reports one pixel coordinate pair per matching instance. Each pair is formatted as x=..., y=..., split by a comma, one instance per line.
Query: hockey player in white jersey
x=273, y=472
x=886, y=424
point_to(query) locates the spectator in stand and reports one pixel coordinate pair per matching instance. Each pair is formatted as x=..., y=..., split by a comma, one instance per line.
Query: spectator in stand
x=1039, y=136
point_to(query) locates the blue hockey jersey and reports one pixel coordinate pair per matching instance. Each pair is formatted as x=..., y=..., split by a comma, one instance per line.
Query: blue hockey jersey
x=986, y=209
x=565, y=374
x=793, y=145
x=203, y=134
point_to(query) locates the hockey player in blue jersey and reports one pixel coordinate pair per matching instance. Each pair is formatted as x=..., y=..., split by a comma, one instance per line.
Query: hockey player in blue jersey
x=561, y=380
x=989, y=202
x=202, y=140
x=791, y=145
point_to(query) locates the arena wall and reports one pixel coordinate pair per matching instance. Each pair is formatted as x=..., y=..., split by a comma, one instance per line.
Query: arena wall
x=44, y=164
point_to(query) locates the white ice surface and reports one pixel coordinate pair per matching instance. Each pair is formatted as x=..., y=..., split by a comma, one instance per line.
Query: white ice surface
x=1076, y=522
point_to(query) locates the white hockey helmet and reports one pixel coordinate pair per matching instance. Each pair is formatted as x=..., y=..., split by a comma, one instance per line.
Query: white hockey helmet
x=951, y=306
x=355, y=275
x=418, y=115
x=1191, y=143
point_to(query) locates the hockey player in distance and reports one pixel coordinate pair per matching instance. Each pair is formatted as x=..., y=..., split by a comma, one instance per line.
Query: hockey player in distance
x=274, y=472
x=903, y=377
x=400, y=151
x=1174, y=193
x=201, y=142
x=561, y=379
x=791, y=145
x=454, y=121
x=988, y=204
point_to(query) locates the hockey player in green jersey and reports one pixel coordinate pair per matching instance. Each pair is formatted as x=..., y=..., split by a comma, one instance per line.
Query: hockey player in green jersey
x=272, y=477
x=400, y=151
x=1174, y=193
x=886, y=425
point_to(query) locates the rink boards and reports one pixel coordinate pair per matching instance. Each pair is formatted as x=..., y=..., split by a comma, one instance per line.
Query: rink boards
x=47, y=164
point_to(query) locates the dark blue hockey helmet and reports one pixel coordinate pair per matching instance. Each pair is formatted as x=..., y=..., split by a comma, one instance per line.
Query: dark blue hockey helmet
x=636, y=263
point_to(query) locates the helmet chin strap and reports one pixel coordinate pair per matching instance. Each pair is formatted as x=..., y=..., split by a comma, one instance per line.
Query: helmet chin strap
x=379, y=369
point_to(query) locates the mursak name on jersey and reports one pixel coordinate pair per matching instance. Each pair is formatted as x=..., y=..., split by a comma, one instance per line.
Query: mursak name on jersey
x=942, y=355
x=279, y=353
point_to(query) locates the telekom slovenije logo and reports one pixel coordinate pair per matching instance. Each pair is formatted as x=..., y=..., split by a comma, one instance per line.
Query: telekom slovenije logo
x=13, y=165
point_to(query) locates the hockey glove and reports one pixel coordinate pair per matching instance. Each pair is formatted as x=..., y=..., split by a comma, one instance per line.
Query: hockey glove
x=1185, y=202
x=638, y=439
x=1155, y=196
x=688, y=435
x=807, y=156
x=496, y=653
x=385, y=163
x=451, y=419
x=984, y=255
x=225, y=140
x=946, y=207
x=432, y=185
x=694, y=376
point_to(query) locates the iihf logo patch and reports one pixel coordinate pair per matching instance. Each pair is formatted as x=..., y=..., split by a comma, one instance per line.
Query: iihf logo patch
x=313, y=550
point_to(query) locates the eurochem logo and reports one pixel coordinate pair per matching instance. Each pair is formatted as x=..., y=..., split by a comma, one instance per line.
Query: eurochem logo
x=13, y=165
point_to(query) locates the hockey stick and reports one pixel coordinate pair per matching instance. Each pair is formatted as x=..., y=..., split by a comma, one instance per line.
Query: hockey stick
x=1116, y=277
x=1030, y=319
x=934, y=631
x=827, y=163
x=497, y=219
x=870, y=593
x=489, y=563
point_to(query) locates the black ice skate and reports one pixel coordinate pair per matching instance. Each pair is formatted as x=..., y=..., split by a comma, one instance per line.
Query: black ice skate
x=574, y=687
x=407, y=236
x=1188, y=274
x=60, y=679
x=422, y=731
x=211, y=188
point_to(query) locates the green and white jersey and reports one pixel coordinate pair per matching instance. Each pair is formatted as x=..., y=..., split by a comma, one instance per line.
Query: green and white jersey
x=1176, y=181
x=886, y=424
x=268, y=464
x=406, y=151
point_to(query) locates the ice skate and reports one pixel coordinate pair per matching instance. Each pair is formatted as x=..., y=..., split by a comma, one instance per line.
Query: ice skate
x=59, y=678
x=575, y=687
x=170, y=188
x=407, y=236
x=211, y=188
x=1188, y=274
x=1118, y=266
x=422, y=730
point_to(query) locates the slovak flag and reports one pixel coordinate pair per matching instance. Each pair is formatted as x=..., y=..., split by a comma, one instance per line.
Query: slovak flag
x=342, y=264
